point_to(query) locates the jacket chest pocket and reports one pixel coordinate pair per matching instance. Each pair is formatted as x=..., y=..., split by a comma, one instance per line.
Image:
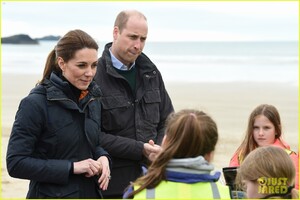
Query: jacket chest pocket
x=151, y=105
x=115, y=112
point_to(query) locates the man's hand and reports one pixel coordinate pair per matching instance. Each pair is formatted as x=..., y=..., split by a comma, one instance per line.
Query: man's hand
x=151, y=150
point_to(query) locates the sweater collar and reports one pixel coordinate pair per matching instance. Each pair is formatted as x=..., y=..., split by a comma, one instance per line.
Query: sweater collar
x=190, y=165
x=191, y=170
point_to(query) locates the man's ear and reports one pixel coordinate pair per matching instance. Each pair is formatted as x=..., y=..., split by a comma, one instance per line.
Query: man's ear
x=116, y=32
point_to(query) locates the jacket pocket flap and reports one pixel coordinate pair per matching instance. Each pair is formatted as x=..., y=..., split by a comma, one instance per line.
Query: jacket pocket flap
x=152, y=96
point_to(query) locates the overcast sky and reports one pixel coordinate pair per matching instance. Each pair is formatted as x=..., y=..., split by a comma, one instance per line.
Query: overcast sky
x=168, y=21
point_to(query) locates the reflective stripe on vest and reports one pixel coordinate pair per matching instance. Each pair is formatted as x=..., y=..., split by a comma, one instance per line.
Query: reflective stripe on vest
x=150, y=193
x=215, y=191
x=168, y=189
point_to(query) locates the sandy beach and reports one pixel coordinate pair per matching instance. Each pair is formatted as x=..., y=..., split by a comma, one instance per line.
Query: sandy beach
x=229, y=104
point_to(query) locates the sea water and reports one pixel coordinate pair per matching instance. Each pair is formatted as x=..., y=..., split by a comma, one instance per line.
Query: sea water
x=227, y=61
x=186, y=61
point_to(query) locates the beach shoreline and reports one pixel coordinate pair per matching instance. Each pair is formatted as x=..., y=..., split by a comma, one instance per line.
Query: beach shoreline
x=228, y=103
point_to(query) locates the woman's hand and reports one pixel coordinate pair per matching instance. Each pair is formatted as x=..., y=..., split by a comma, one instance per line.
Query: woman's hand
x=89, y=167
x=105, y=173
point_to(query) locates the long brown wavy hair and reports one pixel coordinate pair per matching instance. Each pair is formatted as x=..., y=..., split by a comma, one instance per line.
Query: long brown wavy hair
x=249, y=144
x=189, y=133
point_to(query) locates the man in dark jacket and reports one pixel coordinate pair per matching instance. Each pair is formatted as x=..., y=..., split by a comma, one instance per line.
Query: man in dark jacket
x=135, y=103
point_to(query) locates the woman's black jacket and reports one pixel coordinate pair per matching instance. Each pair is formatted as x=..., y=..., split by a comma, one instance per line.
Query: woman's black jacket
x=49, y=133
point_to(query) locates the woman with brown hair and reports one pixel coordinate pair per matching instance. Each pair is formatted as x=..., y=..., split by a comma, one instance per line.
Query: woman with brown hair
x=55, y=139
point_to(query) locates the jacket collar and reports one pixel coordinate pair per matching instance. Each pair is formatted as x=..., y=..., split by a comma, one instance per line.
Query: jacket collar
x=142, y=63
x=57, y=88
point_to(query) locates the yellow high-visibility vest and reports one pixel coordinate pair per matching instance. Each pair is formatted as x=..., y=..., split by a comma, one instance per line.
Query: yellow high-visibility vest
x=177, y=190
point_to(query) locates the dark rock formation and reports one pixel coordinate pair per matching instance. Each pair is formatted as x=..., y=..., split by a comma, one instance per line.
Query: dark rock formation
x=19, y=39
x=49, y=38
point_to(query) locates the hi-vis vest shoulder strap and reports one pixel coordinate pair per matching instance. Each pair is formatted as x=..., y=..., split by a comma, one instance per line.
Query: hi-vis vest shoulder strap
x=176, y=190
x=288, y=151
